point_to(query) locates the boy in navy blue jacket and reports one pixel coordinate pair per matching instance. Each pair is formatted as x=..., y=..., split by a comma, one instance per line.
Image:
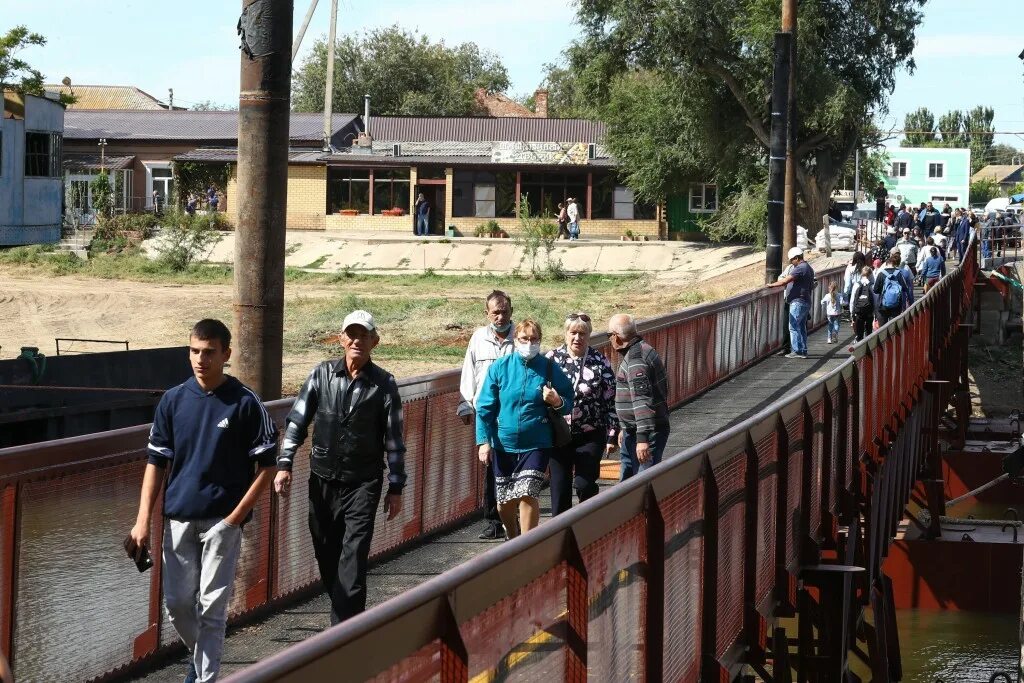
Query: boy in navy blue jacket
x=218, y=445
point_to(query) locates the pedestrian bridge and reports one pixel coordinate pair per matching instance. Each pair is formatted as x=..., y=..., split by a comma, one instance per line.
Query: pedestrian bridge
x=776, y=470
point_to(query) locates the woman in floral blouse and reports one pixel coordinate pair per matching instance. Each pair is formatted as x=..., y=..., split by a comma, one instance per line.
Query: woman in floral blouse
x=593, y=421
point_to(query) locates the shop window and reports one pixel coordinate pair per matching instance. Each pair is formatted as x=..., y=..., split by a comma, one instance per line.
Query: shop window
x=391, y=191
x=481, y=194
x=545, y=191
x=348, y=189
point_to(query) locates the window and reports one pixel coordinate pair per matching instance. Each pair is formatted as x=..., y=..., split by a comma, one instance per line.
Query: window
x=391, y=190
x=899, y=169
x=609, y=199
x=483, y=194
x=348, y=189
x=544, y=192
x=950, y=199
x=163, y=185
x=42, y=155
x=936, y=170
x=430, y=173
x=703, y=198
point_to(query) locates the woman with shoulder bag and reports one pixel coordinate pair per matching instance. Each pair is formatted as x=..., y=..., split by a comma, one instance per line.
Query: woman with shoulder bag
x=514, y=425
x=594, y=426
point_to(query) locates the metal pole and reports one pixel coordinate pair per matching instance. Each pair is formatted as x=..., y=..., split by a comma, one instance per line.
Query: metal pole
x=263, y=112
x=789, y=20
x=777, y=159
x=302, y=31
x=856, y=177
x=329, y=86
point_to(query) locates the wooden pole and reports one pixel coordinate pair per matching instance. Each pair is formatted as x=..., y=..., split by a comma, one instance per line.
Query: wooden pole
x=789, y=25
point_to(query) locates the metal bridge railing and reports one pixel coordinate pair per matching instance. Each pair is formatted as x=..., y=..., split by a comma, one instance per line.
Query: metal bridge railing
x=674, y=574
x=72, y=607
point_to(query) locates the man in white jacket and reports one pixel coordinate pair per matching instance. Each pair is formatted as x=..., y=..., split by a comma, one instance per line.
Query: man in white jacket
x=488, y=344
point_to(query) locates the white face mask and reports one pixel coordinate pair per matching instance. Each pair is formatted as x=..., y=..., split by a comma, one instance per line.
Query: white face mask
x=527, y=351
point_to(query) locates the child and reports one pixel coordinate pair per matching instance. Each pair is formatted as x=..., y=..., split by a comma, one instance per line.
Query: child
x=862, y=304
x=833, y=309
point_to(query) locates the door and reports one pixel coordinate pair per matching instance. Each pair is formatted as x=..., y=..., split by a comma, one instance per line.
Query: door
x=435, y=196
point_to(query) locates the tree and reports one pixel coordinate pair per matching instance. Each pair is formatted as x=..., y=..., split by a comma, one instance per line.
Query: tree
x=919, y=127
x=984, y=190
x=951, y=129
x=15, y=73
x=403, y=72
x=1004, y=154
x=722, y=51
x=874, y=168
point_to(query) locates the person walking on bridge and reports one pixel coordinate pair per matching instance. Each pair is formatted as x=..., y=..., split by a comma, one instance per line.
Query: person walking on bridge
x=513, y=425
x=593, y=422
x=359, y=426
x=217, y=442
x=799, y=285
x=641, y=398
x=488, y=344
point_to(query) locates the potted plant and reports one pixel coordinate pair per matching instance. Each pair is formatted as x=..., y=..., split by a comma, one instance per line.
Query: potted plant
x=349, y=212
x=482, y=230
x=628, y=236
x=494, y=228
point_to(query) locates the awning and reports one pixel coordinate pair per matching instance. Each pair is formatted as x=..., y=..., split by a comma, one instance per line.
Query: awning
x=91, y=162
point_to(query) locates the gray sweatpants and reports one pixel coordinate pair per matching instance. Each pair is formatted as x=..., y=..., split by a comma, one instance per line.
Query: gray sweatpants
x=199, y=557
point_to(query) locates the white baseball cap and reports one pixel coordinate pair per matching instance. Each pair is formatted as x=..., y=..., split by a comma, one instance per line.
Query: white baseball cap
x=794, y=252
x=361, y=318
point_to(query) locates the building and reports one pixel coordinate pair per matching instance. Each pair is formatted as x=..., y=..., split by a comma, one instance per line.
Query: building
x=137, y=148
x=1006, y=176
x=941, y=175
x=108, y=97
x=31, y=190
x=472, y=170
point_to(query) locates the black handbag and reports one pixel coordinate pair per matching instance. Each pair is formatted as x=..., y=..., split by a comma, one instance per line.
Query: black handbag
x=561, y=432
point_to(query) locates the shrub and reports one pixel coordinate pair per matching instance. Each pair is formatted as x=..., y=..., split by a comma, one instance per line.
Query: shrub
x=185, y=239
x=116, y=234
x=536, y=235
x=744, y=217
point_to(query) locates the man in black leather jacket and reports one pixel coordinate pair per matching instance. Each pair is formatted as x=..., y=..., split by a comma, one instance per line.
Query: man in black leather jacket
x=359, y=422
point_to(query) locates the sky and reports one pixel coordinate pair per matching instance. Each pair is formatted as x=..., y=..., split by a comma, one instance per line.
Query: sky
x=966, y=50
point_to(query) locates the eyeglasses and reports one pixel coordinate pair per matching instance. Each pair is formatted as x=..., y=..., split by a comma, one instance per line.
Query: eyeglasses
x=578, y=316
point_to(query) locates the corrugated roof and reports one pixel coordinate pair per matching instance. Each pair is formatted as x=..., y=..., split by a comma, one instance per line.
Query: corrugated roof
x=483, y=129
x=454, y=161
x=108, y=97
x=230, y=155
x=87, y=162
x=217, y=126
x=997, y=172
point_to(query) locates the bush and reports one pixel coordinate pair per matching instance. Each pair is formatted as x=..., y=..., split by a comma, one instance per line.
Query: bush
x=185, y=239
x=537, y=234
x=121, y=233
x=743, y=218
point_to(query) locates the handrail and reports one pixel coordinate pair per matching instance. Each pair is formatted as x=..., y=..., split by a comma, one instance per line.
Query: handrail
x=435, y=610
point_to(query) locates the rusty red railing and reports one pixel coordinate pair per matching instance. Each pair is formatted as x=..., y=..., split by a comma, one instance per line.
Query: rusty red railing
x=73, y=608
x=681, y=573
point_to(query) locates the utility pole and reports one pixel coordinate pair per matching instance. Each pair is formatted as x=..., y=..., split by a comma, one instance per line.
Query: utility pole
x=329, y=86
x=789, y=25
x=265, y=28
x=777, y=159
x=170, y=99
x=302, y=30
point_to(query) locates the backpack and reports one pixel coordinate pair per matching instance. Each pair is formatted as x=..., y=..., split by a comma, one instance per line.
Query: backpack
x=892, y=291
x=865, y=304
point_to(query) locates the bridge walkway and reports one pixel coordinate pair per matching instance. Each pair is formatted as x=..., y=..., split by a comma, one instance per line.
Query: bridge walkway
x=719, y=408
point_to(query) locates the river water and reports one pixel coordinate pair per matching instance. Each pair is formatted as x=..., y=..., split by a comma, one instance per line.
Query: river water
x=957, y=646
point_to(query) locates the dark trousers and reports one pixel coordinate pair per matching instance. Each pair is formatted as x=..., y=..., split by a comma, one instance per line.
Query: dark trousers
x=884, y=315
x=490, y=498
x=575, y=466
x=787, y=343
x=341, y=524
x=862, y=325
x=879, y=211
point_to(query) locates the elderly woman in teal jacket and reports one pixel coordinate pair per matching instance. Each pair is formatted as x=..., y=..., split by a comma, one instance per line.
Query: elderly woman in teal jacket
x=513, y=428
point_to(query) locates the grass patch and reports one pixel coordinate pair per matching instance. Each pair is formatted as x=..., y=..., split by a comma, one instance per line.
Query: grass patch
x=317, y=263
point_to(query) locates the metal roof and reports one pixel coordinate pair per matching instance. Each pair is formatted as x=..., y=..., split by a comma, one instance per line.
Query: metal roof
x=220, y=126
x=484, y=129
x=230, y=155
x=88, y=162
x=378, y=160
x=108, y=97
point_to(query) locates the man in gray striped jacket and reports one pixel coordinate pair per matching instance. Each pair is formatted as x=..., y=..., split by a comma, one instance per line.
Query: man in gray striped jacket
x=641, y=398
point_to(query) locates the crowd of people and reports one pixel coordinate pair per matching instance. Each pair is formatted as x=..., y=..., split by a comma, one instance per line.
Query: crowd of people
x=213, y=451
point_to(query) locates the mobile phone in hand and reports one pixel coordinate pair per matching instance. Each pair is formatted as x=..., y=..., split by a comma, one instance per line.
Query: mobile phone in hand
x=138, y=554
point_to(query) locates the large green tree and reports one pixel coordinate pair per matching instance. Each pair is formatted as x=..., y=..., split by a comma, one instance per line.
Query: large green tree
x=17, y=74
x=919, y=128
x=403, y=72
x=719, y=55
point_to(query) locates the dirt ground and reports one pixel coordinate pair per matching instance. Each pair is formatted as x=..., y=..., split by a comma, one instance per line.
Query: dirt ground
x=995, y=374
x=423, y=331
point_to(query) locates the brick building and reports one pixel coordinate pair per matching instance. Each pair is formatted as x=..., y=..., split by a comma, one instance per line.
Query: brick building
x=471, y=169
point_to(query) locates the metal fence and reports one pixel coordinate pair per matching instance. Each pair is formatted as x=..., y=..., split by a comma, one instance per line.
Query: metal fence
x=73, y=607
x=999, y=245
x=678, y=573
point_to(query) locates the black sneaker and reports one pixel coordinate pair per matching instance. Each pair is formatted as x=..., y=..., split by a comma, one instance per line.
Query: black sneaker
x=493, y=532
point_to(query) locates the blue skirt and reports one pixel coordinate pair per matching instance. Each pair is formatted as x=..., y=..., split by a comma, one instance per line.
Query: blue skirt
x=519, y=475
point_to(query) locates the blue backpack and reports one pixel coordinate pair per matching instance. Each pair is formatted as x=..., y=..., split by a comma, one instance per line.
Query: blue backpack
x=892, y=291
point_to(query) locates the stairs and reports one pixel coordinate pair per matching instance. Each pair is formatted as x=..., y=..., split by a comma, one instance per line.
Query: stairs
x=76, y=241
